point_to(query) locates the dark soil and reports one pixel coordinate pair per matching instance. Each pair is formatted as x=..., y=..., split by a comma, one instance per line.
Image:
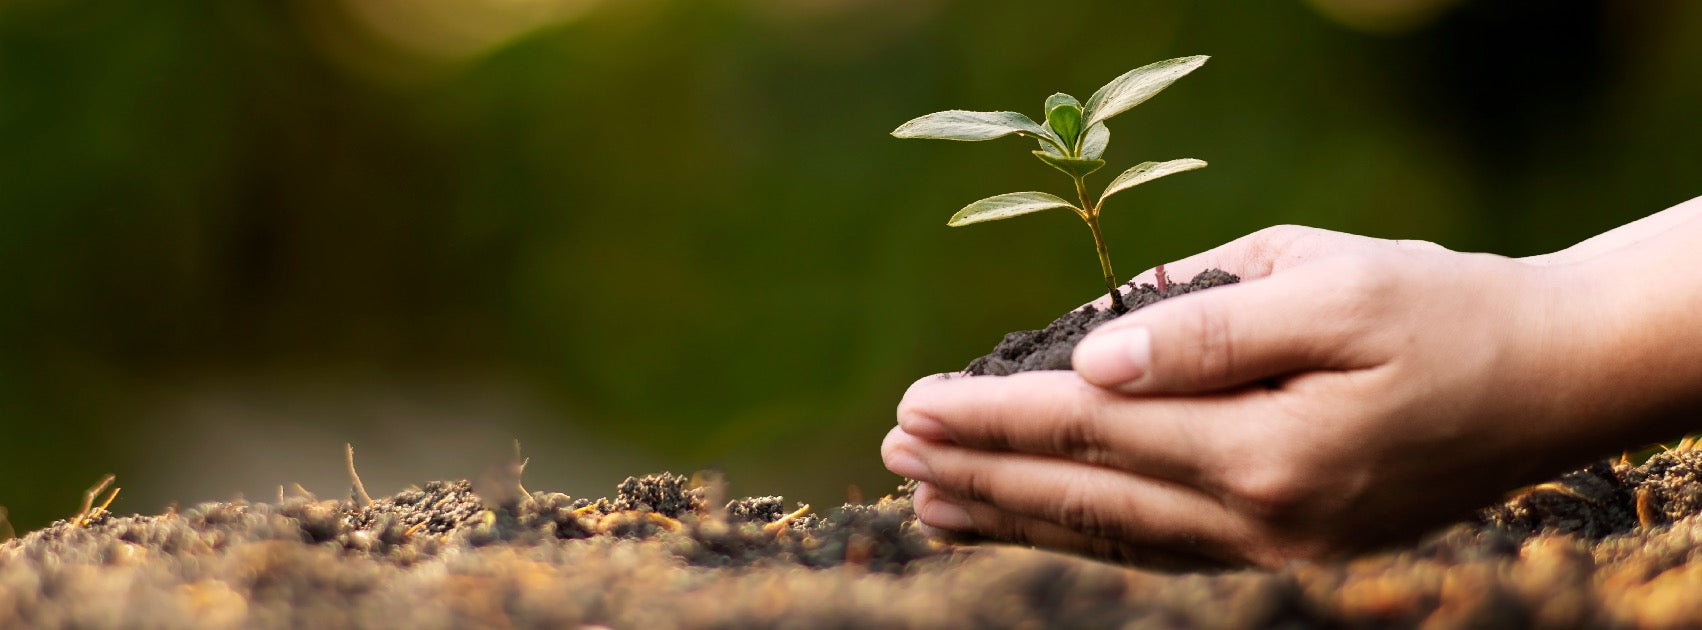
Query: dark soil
x=1049, y=348
x=1611, y=545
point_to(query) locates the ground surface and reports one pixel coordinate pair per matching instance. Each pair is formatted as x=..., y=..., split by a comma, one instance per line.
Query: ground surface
x=1612, y=545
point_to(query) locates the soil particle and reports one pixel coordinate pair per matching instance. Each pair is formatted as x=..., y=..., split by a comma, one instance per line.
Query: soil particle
x=1049, y=348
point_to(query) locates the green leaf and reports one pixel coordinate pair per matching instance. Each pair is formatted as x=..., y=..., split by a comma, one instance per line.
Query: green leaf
x=1093, y=146
x=1074, y=167
x=1138, y=85
x=1063, y=115
x=1146, y=172
x=1006, y=206
x=1065, y=121
x=958, y=124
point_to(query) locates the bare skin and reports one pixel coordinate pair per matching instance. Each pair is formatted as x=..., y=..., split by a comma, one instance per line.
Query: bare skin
x=1351, y=392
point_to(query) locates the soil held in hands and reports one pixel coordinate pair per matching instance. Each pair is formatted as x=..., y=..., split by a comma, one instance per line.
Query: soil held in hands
x=1049, y=348
x=1612, y=545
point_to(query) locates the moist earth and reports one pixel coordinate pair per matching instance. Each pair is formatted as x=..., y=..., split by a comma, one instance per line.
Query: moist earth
x=1049, y=348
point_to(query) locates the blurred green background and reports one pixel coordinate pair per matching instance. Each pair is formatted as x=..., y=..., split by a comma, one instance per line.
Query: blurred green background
x=669, y=234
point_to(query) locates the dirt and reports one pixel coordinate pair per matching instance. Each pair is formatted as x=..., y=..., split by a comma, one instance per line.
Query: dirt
x=1049, y=348
x=662, y=552
x=1612, y=545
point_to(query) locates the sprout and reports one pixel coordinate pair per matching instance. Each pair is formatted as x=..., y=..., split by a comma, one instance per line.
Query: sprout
x=1072, y=140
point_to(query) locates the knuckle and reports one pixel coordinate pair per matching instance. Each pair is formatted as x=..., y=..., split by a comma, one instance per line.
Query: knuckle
x=1079, y=439
x=1420, y=245
x=1278, y=235
x=1362, y=285
x=1079, y=509
x=973, y=484
x=1268, y=244
x=1272, y=495
x=1213, y=357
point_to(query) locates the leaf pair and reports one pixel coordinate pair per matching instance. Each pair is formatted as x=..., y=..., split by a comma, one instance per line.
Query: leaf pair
x=1066, y=118
x=1015, y=204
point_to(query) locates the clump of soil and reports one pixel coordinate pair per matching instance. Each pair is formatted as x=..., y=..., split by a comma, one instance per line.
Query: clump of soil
x=1611, y=545
x=1049, y=348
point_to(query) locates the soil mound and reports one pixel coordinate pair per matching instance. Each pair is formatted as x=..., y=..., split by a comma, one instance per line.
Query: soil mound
x=1049, y=348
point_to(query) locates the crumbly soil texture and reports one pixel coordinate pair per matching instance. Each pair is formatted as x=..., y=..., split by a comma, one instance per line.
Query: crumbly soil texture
x=1049, y=348
x=1612, y=545
x=1615, y=544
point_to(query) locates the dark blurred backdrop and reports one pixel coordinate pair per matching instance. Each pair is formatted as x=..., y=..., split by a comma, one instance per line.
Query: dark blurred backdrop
x=670, y=234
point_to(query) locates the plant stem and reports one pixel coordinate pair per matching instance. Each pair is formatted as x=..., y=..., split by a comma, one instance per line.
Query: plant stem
x=1090, y=214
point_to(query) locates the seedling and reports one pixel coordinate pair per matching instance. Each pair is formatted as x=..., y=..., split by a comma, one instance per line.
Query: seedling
x=1072, y=141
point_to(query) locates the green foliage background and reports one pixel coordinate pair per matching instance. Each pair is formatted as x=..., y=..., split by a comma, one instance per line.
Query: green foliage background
x=676, y=232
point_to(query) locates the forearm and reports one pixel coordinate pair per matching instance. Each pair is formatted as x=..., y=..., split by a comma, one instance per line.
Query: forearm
x=1628, y=235
x=1629, y=357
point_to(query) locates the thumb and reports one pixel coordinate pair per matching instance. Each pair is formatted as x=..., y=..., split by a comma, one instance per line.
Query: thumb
x=1222, y=338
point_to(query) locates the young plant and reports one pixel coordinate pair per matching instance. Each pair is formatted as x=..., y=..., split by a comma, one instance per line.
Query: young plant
x=1072, y=140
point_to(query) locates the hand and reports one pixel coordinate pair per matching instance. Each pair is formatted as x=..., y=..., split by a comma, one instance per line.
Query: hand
x=1349, y=393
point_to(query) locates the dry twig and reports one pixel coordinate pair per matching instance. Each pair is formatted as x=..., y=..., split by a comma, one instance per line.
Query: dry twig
x=360, y=489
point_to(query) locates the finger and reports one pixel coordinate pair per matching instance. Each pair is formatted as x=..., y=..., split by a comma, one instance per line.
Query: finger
x=1230, y=336
x=957, y=516
x=1090, y=500
x=1056, y=413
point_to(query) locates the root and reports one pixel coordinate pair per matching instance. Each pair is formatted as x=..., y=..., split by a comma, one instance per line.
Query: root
x=415, y=529
x=6, y=530
x=360, y=489
x=1646, y=508
x=519, y=470
x=90, y=510
x=1552, y=486
x=610, y=523
x=586, y=510
x=780, y=525
x=304, y=492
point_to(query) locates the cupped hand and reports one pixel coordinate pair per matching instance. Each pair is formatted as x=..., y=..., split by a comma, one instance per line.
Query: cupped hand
x=1350, y=392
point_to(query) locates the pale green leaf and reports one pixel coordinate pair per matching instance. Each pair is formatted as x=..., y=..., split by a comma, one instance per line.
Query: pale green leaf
x=1093, y=146
x=1061, y=99
x=1146, y=172
x=1138, y=85
x=1006, y=206
x=958, y=124
x=1074, y=167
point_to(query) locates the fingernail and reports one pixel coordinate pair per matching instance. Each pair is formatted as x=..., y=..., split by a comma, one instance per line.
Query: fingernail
x=908, y=466
x=947, y=516
x=924, y=427
x=1114, y=357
